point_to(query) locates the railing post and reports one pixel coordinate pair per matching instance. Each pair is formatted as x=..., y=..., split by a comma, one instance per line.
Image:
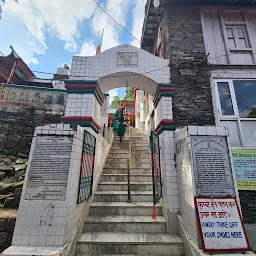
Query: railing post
x=128, y=178
x=103, y=131
x=129, y=166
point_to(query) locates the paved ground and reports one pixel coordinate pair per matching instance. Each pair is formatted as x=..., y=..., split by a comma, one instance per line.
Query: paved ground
x=251, y=233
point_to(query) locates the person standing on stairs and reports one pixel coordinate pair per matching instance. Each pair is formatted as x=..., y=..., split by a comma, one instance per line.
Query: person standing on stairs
x=121, y=129
x=116, y=119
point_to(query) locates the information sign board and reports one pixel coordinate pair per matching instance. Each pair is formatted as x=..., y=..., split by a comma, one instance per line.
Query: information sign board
x=220, y=224
x=245, y=168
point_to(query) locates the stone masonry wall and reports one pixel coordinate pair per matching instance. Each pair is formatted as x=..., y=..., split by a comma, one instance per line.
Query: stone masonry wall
x=7, y=223
x=17, y=124
x=190, y=73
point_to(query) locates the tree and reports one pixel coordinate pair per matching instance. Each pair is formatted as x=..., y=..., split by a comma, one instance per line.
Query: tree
x=116, y=102
x=3, y=1
x=252, y=112
x=129, y=94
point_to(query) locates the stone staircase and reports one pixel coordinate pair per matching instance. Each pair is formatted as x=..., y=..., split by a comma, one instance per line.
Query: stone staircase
x=115, y=227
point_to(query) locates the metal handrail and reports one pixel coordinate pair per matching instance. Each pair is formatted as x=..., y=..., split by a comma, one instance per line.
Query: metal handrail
x=129, y=165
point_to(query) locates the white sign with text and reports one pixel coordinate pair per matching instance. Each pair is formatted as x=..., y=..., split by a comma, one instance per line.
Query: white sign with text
x=221, y=225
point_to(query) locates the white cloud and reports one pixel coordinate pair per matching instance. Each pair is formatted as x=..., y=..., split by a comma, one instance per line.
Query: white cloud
x=31, y=19
x=70, y=46
x=112, y=94
x=58, y=17
x=138, y=13
x=88, y=49
x=118, y=9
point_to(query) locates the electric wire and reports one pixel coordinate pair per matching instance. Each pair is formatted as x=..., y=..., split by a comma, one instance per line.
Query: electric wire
x=128, y=75
x=116, y=21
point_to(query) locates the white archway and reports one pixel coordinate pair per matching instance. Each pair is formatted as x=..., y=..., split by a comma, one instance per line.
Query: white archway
x=127, y=79
x=123, y=65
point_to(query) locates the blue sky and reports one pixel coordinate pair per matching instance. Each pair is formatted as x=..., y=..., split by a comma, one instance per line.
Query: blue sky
x=47, y=33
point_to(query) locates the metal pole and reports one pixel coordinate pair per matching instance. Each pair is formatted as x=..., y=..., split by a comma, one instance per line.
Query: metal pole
x=128, y=178
x=103, y=131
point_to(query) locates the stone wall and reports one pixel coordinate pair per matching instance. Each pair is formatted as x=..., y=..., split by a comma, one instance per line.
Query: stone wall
x=7, y=223
x=22, y=108
x=248, y=204
x=17, y=124
x=190, y=73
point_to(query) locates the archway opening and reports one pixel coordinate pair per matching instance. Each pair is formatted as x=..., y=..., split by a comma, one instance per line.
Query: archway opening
x=138, y=98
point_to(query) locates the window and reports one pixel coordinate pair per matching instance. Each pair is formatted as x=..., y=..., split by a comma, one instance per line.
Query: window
x=237, y=37
x=245, y=92
x=225, y=99
x=236, y=103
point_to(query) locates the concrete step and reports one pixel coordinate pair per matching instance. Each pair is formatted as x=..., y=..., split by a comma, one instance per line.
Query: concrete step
x=126, y=151
x=126, y=154
x=134, y=160
x=137, y=142
x=124, y=165
x=128, y=224
x=123, y=177
x=123, y=186
x=121, y=196
x=135, y=171
x=129, y=243
x=124, y=208
x=134, y=147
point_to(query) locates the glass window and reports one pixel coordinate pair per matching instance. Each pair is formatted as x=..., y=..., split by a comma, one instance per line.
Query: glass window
x=225, y=98
x=246, y=98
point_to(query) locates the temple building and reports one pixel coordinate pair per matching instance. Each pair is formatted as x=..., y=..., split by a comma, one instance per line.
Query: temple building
x=22, y=74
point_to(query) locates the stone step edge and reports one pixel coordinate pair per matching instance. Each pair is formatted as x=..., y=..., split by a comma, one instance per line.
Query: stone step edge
x=124, y=174
x=98, y=238
x=125, y=219
x=125, y=204
x=125, y=183
x=114, y=192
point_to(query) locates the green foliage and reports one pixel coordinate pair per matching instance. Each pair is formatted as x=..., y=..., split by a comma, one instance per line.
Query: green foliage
x=129, y=94
x=252, y=112
x=116, y=102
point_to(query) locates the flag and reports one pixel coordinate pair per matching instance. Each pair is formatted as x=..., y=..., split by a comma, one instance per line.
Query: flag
x=12, y=72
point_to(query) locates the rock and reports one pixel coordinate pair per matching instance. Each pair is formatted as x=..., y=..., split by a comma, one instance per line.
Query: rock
x=3, y=223
x=7, y=160
x=10, y=179
x=13, y=157
x=20, y=167
x=21, y=178
x=6, y=188
x=17, y=193
x=3, y=198
x=21, y=155
x=11, y=203
x=20, y=161
x=2, y=175
x=18, y=184
x=4, y=238
x=10, y=224
x=4, y=167
x=19, y=174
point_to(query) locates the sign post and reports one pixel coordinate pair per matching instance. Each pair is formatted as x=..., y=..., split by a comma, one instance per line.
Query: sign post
x=220, y=224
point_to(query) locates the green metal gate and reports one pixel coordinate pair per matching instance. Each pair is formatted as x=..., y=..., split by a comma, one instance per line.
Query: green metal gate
x=87, y=166
x=156, y=167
